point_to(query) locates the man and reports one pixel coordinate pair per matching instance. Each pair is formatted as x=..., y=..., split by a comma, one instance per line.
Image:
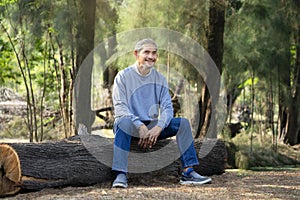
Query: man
x=143, y=109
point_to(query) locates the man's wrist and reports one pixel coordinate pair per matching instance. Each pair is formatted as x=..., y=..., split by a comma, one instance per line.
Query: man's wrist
x=159, y=127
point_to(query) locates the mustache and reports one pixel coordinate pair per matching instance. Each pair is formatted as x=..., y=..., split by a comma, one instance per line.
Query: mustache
x=150, y=59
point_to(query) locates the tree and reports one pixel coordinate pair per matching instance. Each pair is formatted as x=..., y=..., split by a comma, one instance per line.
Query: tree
x=288, y=121
x=21, y=45
x=215, y=49
x=85, y=44
x=259, y=36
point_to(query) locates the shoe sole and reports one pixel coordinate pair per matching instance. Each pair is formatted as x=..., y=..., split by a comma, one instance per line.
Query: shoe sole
x=194, y=182
x=119, y=185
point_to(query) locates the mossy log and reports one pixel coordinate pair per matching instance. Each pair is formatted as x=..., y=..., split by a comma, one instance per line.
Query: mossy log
x=83, y=161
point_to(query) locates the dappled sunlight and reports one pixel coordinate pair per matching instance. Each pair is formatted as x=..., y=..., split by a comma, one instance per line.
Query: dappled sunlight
x=107, y=133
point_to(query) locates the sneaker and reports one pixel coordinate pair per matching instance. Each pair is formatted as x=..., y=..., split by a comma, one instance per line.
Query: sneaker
x=193, y=178
x=120, y=181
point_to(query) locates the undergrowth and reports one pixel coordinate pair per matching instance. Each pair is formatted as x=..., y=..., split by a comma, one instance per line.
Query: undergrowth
x=260, y=152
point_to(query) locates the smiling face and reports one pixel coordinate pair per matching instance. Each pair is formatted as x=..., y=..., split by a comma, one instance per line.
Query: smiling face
x=147, y=56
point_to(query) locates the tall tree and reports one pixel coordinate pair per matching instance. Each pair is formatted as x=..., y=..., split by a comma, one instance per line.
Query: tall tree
x=288, y=121
x=215, y=48
x=85, y=44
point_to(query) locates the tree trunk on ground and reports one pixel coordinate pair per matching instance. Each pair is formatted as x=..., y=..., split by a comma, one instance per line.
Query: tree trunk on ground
x=86, y=160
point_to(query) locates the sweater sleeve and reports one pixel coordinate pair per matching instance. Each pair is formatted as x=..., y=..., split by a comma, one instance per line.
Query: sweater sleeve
x=120, y=101
x=166, y=107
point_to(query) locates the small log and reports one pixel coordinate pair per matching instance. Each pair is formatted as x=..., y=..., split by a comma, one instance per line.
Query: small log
x=86, y=160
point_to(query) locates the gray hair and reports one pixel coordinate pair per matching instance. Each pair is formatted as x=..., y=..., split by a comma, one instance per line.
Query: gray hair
x=140, y=44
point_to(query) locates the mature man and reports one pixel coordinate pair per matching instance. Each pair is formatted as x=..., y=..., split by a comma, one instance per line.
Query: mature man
x=143, y=109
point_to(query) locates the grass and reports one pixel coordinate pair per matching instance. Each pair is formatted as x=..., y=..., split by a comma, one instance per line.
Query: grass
x=262, y=154
x=279, y=168
x=17, y=129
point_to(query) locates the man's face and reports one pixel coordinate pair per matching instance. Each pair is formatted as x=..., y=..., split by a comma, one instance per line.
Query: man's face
x=147, y=56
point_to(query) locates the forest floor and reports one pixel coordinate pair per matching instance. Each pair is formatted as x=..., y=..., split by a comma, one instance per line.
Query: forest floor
x=281, y=183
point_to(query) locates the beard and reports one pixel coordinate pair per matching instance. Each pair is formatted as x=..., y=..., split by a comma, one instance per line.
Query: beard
x=148, y=64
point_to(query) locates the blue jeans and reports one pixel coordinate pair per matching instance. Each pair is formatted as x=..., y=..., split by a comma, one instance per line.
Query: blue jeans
x=124, y=130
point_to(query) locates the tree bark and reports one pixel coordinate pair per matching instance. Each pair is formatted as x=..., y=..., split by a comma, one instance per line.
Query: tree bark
x=294, y=124
x=85, y=44
x=79, y=161
x=215, y=48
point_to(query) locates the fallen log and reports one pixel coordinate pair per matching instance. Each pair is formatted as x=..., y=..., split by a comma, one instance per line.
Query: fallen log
x=84, y=161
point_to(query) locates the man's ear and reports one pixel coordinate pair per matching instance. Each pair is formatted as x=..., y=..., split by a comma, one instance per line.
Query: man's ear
x=135, y=53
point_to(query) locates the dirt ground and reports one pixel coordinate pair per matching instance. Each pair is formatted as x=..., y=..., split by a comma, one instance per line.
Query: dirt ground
x=233, y=184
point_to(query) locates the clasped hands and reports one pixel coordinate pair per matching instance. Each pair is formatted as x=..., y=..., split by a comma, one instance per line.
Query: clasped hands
x=148, y=138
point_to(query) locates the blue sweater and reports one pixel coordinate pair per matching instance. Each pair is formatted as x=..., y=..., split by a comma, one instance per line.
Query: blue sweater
x=142, y=98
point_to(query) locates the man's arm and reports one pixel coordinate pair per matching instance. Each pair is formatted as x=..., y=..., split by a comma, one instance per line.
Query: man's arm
x=166, y=107
x=121, y=107
x=166, y=114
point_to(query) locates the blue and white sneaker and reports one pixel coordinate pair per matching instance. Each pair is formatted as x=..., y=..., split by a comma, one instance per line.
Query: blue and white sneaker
x=193, y=178
x=120, y=181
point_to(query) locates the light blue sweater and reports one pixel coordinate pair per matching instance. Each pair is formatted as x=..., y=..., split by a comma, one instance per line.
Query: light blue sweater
x=142, y=98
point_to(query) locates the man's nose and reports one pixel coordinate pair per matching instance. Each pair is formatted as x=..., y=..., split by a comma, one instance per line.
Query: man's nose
x=151, y=56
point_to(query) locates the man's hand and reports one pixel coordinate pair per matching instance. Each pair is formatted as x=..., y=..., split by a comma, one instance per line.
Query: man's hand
x=144, y=136
x=153, y=135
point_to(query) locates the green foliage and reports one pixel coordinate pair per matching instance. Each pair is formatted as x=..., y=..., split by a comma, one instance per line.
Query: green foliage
x=242, y=160
x=8, y=72
x=257, y=44
x=6, y=2
x=248, y=82
x=263, y=154
x=188, y=17
x=14, y=129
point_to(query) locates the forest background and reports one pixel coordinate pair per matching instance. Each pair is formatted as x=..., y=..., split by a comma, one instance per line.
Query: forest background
x=255, y=44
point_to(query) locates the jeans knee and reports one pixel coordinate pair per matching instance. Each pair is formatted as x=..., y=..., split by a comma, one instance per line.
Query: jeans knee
x=184, y=122
x=125, y=125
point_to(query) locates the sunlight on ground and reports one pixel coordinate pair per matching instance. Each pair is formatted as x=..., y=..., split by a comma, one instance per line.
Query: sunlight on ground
x=8, y=140
x=108, y=133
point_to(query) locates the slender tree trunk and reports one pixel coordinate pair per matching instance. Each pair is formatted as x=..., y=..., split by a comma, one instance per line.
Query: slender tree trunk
x=46, y=52
x=284, y=97
x=270, y=112
x=252, y=108
x=110, y=72
x=32, y=97
x=63, y=92
x=72, y=70
x=292, y=134
x=29, y=107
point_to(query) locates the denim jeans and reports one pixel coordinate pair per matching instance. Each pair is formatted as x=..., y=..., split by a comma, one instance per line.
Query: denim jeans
x=124, y=130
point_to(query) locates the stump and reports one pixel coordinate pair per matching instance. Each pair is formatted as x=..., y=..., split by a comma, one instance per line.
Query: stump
x=78, y=161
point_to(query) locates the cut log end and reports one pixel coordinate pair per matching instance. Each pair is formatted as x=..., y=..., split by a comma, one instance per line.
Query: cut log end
x=10, y=171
